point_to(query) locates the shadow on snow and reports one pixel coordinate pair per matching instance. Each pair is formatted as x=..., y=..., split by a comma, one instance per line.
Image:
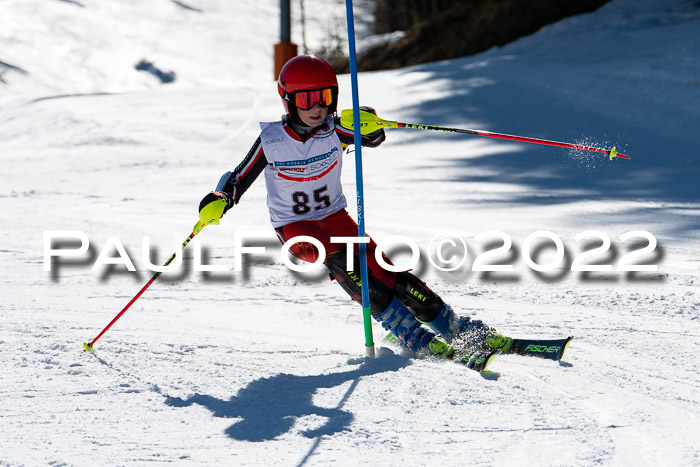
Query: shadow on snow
x=489, y=94
x=269, y=407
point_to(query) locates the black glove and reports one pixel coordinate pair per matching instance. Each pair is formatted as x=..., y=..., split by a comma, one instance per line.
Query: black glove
x=216, y=195
x=375, y=138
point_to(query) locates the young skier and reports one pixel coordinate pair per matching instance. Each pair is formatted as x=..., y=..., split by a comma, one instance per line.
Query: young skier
x=301, y=156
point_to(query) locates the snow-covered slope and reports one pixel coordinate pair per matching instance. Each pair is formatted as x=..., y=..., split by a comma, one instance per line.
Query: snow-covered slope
x=265, y=366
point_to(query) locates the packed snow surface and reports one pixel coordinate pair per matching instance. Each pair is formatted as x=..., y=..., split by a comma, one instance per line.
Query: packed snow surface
x=265, y=366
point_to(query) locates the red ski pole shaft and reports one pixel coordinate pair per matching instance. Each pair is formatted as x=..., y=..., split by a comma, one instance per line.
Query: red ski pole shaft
x=611, y=152
x=87, y=346
x=370, y=123
x=209, y=214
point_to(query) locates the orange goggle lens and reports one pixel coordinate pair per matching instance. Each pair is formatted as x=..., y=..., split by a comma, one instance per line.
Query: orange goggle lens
x=304, y=100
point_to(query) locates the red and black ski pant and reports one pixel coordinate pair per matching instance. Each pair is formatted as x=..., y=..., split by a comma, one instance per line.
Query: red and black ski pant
x=384, y=284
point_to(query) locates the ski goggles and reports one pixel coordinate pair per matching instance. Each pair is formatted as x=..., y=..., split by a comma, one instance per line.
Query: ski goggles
x=304, y=100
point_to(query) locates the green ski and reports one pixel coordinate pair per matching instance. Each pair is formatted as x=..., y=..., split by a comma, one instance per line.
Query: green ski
x=550, y=349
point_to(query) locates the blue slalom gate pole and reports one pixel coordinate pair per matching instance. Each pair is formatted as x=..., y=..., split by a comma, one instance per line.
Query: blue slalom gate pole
x=367, y=316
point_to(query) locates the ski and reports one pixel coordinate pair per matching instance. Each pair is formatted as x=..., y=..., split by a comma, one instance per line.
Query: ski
x=550, y=349
x=477, y=361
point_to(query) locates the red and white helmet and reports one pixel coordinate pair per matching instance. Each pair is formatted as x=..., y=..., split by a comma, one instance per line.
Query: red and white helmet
x=306, y=80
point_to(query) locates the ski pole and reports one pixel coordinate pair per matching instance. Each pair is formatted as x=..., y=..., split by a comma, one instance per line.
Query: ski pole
x=366, y=312
x=210, y=214
x=370, y=123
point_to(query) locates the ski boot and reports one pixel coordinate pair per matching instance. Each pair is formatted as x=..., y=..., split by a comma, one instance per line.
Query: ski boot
x=453, y=327
x=437, y=347
x=497, y=341
x=474, y=359
x=441, y=349
x=469, y=332
x=403, y=327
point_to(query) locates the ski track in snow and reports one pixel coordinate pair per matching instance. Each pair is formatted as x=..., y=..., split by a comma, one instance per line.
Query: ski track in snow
x=266, y=367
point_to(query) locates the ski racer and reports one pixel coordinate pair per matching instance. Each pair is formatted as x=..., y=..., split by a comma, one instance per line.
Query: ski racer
x=301, y=157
